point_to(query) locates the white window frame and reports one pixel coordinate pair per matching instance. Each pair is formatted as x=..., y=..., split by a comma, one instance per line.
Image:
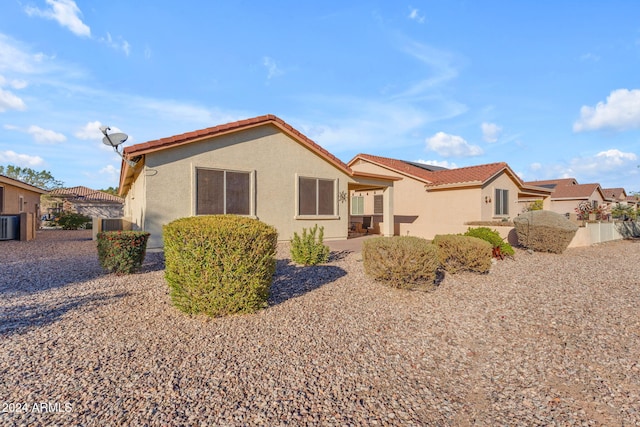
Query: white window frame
x=20, y=204
x=501, y=199
x=252, y=189
x=297, y=214
x=361, y=205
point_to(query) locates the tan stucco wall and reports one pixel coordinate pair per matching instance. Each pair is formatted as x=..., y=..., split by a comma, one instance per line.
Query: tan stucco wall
x=168, y=181
x=423, y=213
x=12, y=196
x=564, y=206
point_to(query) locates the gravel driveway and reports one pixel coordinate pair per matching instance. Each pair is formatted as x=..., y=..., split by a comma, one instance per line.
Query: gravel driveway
x=543, y=339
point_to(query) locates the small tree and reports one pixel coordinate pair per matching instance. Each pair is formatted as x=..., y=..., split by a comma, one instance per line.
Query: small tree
x=41, y=179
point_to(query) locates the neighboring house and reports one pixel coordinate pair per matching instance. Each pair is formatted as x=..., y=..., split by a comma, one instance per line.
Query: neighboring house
x=84, y=201
x=20, y=199
x=260, y=167
x=430, y=200
x=568, y=194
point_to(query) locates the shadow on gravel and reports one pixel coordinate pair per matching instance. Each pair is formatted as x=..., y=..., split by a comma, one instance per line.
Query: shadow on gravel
x=23, y=318
x=292, y=281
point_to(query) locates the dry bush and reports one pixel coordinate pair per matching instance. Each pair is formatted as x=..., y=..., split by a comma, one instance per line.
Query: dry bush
x=463, y=253
x=544, y=231
x=401, y=262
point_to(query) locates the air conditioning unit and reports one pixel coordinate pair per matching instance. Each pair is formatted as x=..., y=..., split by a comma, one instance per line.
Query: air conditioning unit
x=9, y=227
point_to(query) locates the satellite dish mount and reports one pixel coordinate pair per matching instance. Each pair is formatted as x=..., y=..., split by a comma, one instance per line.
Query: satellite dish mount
x=115, y=140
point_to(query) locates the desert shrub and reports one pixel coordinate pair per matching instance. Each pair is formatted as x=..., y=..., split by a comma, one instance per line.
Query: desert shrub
x=544, y=231
x=493, y=237
x=72, y=221
x=122, y=252
x=219, y=264
x=536, y=205
x=308, y=250
x=401, y=262
x=463, y=253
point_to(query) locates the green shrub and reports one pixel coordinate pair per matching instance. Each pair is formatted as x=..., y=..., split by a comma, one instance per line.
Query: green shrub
x=544, y=231
x=219, y=264
x=402, y=262
x=463, y=253
x=72, y=221
x=122, y=252
x=493, y=237
x=306, y=250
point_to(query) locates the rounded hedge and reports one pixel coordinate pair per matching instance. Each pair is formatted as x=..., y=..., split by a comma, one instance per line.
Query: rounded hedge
x=219, y=264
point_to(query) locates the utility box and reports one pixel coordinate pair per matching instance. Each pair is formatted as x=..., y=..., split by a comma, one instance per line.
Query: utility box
x=9, y=227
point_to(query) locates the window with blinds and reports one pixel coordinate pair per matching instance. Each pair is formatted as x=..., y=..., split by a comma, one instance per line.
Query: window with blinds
x=357, y=205
x=223, y=192
x=502, y=202
x=316, y=196
x=378, y=205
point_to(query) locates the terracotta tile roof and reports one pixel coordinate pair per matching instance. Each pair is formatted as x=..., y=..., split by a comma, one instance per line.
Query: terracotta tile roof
x=16, y=182
x=85, y=193
x=186, y=138
x=553, y=183
x=465, y=175
x=614, y=193
x=578, y=191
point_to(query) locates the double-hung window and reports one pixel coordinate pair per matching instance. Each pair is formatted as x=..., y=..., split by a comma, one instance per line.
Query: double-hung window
x=357, y=205
x=223, y=192
x=316, y=196
x=502, y=202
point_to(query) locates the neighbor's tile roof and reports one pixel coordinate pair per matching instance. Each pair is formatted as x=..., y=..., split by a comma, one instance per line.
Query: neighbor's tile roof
x=614, y=193
x=16, y=182
x=578, y=191
x=85, y=193
x=185, y=138
x=464, y=175
x=552, y=183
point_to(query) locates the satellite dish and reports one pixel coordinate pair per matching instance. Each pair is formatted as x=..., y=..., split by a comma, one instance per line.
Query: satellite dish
x=115, y=139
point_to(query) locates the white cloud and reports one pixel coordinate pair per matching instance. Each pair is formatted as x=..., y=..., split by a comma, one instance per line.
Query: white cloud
x=9, y=101
x=90, y=131
x=621, y=111
x=439, y=62
x=45, y=136
x=603, y=166
x=118, y=44
x=272, y=67
x=535, y=166
x=452, y=146
x=590, y=57
x=24, y=160
x=441, y=163
x=414, y=15
x=66, y=13
x=112, y=173
x=491, y=132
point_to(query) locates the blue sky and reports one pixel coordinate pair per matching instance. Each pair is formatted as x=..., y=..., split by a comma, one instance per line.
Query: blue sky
x=550, y=87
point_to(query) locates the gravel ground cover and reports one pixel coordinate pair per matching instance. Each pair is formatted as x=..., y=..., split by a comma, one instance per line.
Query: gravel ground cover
x=542, y=339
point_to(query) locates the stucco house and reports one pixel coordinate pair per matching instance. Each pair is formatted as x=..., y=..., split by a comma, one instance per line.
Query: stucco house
x=568, y=194
x=84, y=201
x=22, y=200
x=259, y=167
x=430, y=200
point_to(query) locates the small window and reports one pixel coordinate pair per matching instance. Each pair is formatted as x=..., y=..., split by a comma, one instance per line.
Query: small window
x=357, y=205
x=316, y=196
x=378, y=205
x=223, y=192
x=1, y=199
x=502, y=202
x=21, y=204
